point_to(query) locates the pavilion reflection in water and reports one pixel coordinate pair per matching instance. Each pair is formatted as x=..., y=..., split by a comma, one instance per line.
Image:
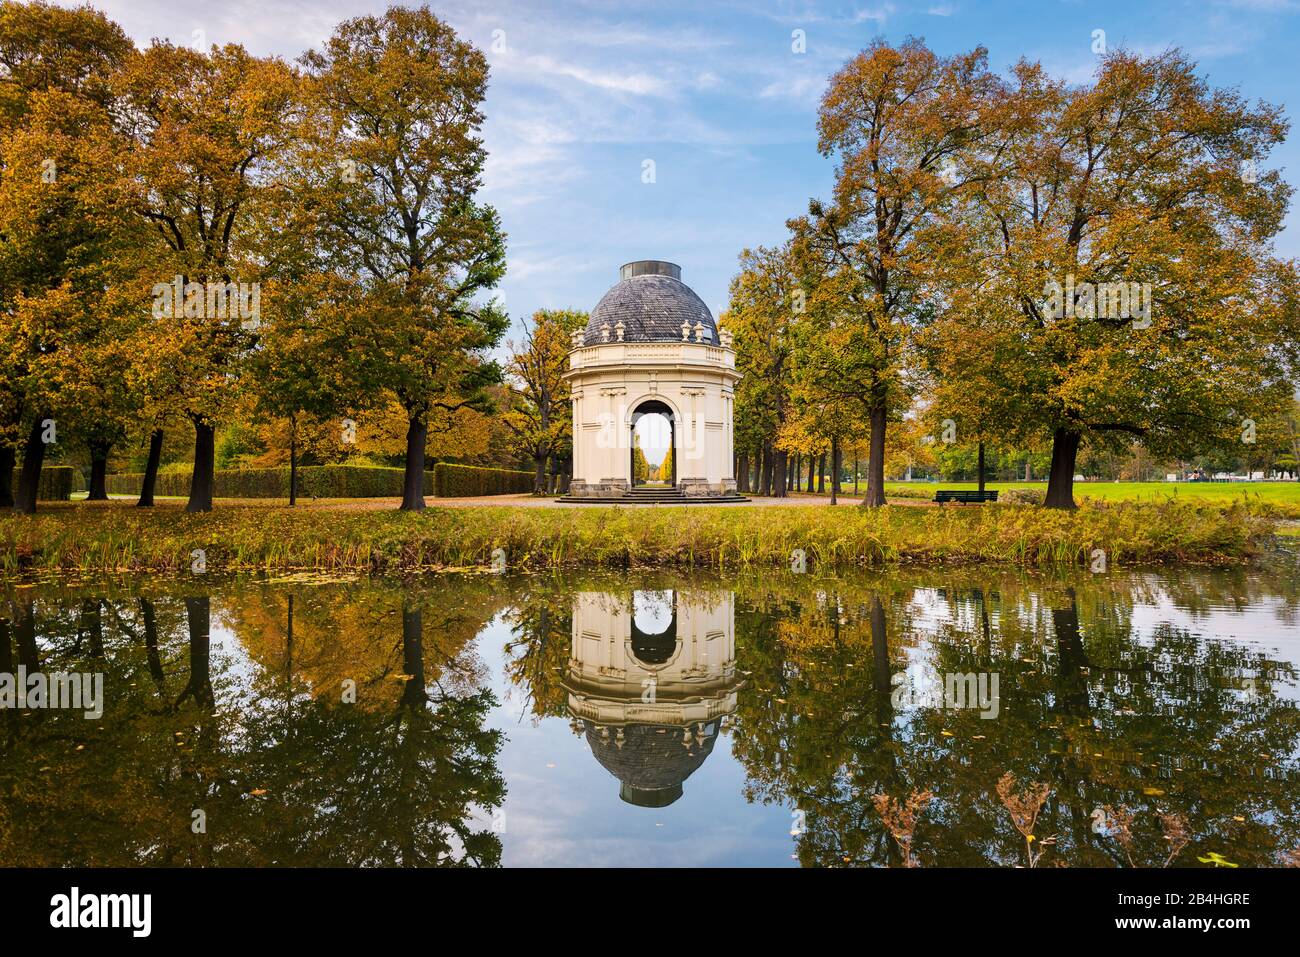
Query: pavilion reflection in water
x=651, y=676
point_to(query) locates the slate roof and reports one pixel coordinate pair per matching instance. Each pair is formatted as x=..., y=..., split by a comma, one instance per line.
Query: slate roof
x=652, y=307
x=652, y=763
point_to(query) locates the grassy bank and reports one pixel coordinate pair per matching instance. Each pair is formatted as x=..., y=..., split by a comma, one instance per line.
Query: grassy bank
x=1283, y=498
x=122, y=538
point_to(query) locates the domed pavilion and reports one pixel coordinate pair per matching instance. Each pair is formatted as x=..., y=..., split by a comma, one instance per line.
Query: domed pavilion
x=651, y=346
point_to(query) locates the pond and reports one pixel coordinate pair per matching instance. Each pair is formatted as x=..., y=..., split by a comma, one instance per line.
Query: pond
x=655, y=718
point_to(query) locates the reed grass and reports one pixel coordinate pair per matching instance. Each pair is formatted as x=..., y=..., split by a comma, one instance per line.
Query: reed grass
x=122, y=538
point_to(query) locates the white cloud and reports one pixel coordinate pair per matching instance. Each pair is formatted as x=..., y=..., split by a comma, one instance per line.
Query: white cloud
x=637, y=83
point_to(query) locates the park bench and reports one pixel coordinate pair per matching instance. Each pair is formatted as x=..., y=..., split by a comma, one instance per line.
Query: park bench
x=953, y=495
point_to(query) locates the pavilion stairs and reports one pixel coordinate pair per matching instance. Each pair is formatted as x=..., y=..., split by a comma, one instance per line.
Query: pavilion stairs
x=655, y=495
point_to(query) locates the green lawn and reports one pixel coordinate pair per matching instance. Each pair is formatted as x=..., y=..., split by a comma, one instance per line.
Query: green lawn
x=1286, y=495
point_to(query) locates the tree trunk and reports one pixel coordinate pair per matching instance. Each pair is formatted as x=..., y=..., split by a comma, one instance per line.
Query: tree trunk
x=882, y=678
x=767, y=467
x=742, y=473
x=417, y=437
x=288, y=646
x=835, y=471
x=539, y=474
x=205, y=457
x=780, y=461
x=7, y=459
x=29, y=480
x=24, y=614
x=1060, y=481
x=876, y=459
x=151, y=470
x=821, y=473
x=855, y=476
x=981, y=468
x=1029, y=474
x=91, y=626
x=149, y=621
x=413, y=693
x=293, y=461
x=98, y=472
x=198, y=614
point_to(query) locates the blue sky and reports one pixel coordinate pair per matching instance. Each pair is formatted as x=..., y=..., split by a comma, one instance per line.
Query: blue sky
x=583, y=93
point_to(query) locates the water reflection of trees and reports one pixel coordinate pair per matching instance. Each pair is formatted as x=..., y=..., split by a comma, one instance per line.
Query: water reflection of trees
x=256, y=733
x=1167, y=724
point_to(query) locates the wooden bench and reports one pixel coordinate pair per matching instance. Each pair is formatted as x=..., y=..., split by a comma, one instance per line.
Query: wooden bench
x=965, y=497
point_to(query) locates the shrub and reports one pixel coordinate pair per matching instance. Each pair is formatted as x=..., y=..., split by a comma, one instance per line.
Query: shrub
x=902, y=491
x=334, y=481
x=1023, y=496
x=455, y=481
x=57, y=483
x=321, y=481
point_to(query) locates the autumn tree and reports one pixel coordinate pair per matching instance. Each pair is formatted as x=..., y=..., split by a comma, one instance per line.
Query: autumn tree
x=206, y=130
x=765, y=297
x=402, y=95
x=640, y=464
x=305, y=369
x=899, y=121
x=57, y=223
x=1111, y=277
x=540, y=413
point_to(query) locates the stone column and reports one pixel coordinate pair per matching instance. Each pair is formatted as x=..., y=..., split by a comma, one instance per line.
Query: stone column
x=579, y=456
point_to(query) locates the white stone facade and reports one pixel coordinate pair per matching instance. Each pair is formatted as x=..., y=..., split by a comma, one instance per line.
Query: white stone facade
x=651, y=345
x=610, y=383
x=690, y=679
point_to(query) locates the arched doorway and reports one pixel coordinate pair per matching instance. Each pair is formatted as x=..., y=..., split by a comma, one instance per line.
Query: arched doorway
x=654, y=626
x=654, y=436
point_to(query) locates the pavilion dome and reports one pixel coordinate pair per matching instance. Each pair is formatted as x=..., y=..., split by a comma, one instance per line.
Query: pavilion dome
x=652, y=762
x=652, y=302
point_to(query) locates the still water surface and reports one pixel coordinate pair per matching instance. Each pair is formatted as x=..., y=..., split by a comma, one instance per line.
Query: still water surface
x=656, y=719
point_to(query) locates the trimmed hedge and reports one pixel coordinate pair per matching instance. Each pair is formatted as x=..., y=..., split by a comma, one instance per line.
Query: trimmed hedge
x=460, y=481
x=334, y=481
x=57, y=483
